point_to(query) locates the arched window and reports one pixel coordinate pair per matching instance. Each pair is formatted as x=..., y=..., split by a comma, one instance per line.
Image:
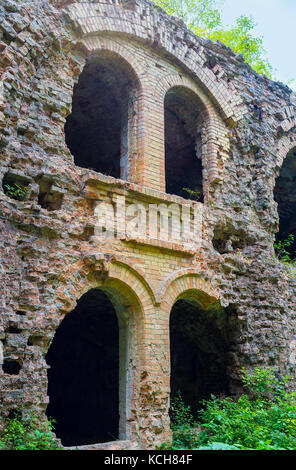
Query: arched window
x=285, y=196
x=183, y=165
x=100, y=131
x=200, y=343
x=84, y=375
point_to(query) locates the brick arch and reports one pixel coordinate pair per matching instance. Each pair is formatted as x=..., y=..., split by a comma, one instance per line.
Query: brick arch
x=186, y=283
x=95, y=44
x=95, y=270
x=172, y=80
x=215, y=140
x=285, y=144
x=131, y=297
x=94, y=18
x=284, y=198
x=140, y=275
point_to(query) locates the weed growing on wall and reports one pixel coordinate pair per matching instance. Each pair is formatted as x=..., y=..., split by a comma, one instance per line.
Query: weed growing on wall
x=16, y=191
x=27, y=432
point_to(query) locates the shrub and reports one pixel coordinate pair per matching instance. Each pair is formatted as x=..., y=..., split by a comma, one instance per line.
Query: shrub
x=185, y=431
x=281, y=249
x=180, y=413
x=27, y=432
x=262, y=419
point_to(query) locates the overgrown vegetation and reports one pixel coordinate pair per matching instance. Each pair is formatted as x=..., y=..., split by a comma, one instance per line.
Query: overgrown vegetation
x=203, y=17
x=264, y=418
x=282, y=250
x=16, y=191
x=25, y=431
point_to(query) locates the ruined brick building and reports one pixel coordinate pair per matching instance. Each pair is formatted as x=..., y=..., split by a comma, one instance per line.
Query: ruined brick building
x=115, y=102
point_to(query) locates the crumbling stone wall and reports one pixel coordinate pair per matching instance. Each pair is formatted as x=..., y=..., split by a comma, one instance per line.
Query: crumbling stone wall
x=50, y=254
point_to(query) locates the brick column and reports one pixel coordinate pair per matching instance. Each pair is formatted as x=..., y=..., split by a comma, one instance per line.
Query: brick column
x=151, y=166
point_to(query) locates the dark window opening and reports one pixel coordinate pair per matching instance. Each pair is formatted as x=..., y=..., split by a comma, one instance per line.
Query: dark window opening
x=285, y=196
x=98, y=130
x=11, y=367
x=50, y=197
x=200, y=341
x=14, y=330
x=83, y=378
x=183, y=165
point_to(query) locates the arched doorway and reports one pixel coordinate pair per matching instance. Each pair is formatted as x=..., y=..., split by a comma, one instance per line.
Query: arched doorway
x=84, y=373
x=200, y=341
x=285, y=196
x=183, y=165
x=101, y=130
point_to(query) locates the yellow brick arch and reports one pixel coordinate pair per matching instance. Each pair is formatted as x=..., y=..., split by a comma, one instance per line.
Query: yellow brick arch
x=130, y=287
x=133, y=300
x=97, y=18
x=186, y=283
x=176, y=79
x=215, y=131
x=95, y=45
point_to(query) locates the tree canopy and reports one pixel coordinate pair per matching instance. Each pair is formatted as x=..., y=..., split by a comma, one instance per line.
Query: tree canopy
x=203, y=17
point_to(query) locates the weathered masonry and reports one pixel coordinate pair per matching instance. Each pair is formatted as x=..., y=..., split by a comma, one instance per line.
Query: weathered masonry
x=145, y=174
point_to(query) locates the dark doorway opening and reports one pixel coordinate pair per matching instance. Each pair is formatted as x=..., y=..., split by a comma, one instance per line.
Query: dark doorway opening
x=183, y=165
x=199, y=342
x=98, y=131
x=285, y=196
x=83, y=378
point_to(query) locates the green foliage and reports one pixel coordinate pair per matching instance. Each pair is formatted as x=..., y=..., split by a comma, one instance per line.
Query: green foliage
x=242, y=41
x=27, y=433
x=281, y=251
x=203, y=17
x=185, y=432
x=262, y=383
x=217, y=446
x=194, y=194
x=180, y=413
x=194, y=13
x=16, y=191
x=263, y=419
x=266, y=420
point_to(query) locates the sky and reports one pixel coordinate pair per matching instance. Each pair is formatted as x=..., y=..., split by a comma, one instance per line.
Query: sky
x=276, y=23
